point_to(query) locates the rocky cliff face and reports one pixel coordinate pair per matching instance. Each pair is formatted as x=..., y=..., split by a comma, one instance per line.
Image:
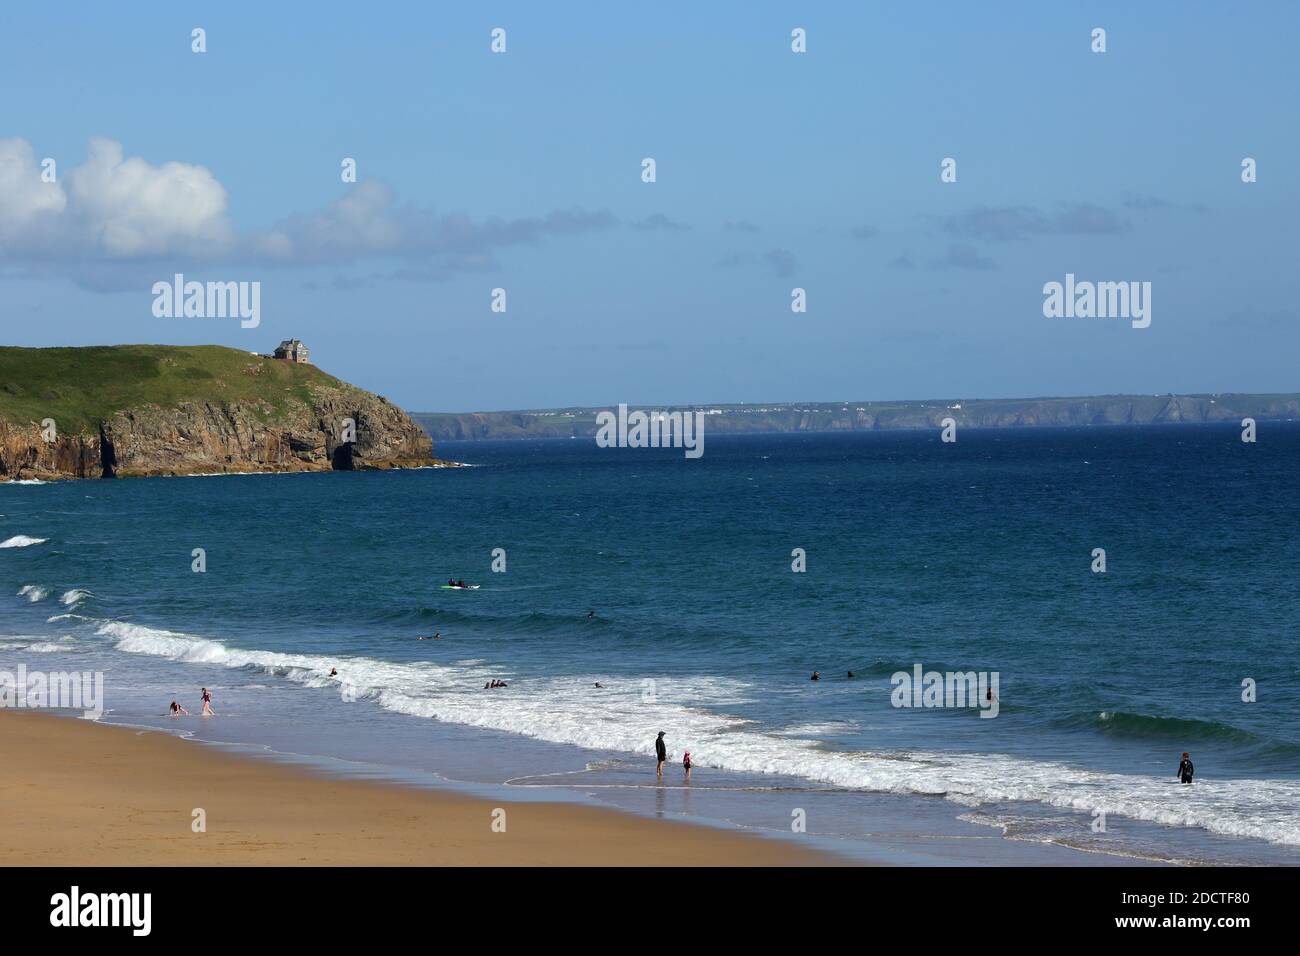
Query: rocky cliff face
x=25, y=454
x=215, y=437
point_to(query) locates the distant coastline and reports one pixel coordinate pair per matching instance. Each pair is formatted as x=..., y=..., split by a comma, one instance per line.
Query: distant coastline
x=758, y=417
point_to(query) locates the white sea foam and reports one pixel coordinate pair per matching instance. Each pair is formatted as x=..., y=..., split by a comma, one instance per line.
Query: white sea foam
x=16, y=642
x=24, y=481
x=22, y=541
x=34, y=592
x=49, y=647
x=226, y=474
x=74, y=597
x=617, y=718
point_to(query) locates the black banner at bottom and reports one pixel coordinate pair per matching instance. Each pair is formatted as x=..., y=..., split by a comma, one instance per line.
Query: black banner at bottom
x=210, y=905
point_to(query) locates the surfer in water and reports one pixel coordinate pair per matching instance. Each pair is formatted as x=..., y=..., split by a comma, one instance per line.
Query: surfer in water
x=1185, y=769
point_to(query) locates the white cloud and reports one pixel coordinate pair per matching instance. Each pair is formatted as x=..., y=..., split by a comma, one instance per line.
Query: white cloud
x=369, y=222
x=26, y=204
x=361, y=223
x=109, y=206
x=113, y=214
x=128, y=207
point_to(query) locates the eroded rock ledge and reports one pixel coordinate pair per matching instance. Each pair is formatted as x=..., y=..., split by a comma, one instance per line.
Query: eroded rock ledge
x=224, y=437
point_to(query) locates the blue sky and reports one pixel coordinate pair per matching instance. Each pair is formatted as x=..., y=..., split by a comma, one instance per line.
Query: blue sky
x=775, y=170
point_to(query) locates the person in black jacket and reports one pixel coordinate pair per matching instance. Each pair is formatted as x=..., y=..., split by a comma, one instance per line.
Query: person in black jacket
x=661, y=753
x=1185, y=769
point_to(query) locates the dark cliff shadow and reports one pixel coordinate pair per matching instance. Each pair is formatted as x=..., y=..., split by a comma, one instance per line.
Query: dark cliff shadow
x=341, y=460
x=107, y=455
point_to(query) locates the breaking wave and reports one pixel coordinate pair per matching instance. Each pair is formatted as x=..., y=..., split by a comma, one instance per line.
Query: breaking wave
x=567, y=710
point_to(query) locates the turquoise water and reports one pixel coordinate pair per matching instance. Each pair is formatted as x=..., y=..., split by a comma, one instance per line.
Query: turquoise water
x=973, y=556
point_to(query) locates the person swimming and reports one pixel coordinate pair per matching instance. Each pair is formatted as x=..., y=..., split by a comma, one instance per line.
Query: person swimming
x=334, y=672
x=850, y=675
x=817, y=675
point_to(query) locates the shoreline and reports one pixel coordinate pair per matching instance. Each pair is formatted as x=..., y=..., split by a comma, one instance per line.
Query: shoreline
x=49, y=477
x=81, y=793
x=267, y=629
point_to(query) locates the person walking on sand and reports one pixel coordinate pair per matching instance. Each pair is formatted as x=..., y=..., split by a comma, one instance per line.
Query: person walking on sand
x=686, y=764
x=207, y=704
x=1185, y=769
x=661, y=754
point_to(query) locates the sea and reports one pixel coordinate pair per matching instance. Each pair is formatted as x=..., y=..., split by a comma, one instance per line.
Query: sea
x=627, y=591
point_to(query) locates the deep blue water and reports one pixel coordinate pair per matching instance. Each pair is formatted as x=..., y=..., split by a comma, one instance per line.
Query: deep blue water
x=973, y=556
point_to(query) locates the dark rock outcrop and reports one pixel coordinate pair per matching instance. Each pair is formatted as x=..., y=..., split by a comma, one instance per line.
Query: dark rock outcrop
x=341, y=428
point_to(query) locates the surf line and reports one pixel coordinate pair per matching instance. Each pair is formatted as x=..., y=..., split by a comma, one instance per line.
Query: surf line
x=512, y=782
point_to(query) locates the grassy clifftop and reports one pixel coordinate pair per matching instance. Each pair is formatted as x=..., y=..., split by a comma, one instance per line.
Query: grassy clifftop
x=80, y=387
x=143, y=410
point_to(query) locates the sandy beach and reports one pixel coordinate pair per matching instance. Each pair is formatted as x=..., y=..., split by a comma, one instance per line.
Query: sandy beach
x=78, y=793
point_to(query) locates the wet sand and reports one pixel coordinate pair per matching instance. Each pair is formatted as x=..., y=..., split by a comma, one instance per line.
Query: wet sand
x=77, y=793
